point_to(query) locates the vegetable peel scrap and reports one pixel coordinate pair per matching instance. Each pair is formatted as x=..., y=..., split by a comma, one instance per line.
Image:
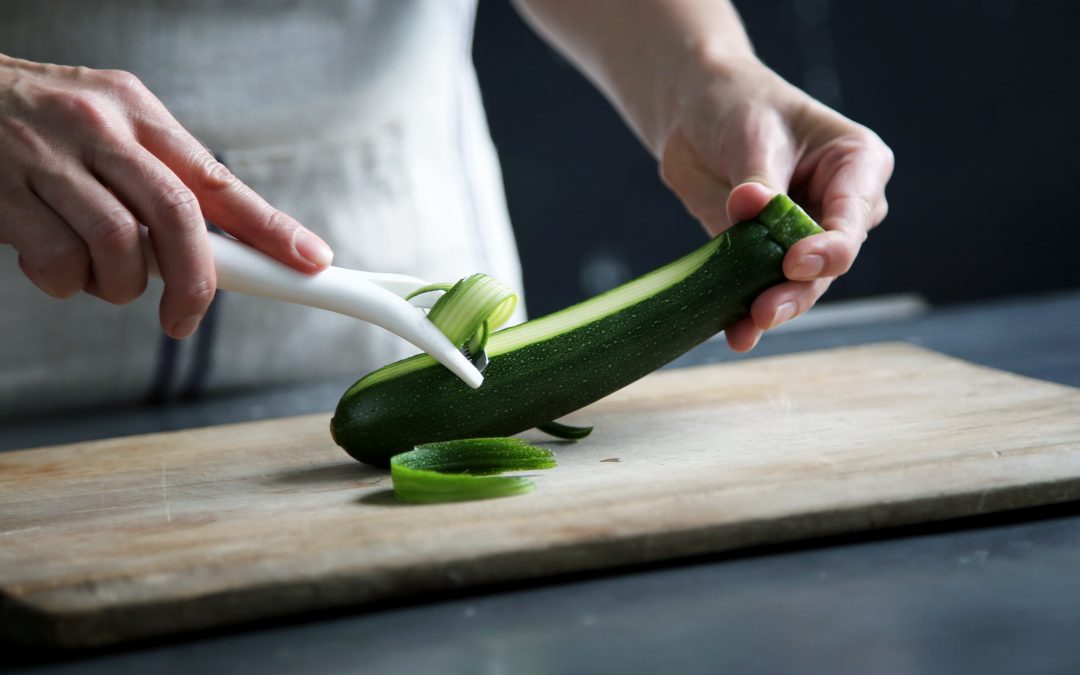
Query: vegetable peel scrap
x=466, y=469
x=564, y=431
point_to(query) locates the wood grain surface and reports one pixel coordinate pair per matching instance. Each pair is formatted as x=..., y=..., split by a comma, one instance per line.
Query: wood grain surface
x=114, y=540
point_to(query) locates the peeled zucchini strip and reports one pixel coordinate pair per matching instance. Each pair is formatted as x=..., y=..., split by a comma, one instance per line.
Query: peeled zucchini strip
x=564, y=431
x=466, y=469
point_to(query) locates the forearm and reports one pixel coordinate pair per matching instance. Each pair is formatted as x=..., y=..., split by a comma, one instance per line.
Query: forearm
x=641, y=52
x=728, y=132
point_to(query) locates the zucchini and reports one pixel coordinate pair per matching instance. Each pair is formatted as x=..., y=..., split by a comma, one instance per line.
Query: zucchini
x=549, y=367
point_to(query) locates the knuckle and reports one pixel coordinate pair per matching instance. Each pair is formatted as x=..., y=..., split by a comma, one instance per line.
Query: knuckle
x=104, y=158
x=854, y=148
x=199, y=291
x=277, y=222
x=51, y=180
x=177, y=202
x=25, y=140
x=674, y=160
x=212, y=174
x=881, y=212
x=669, y=175
x=128, y=292
x=869, y=143
x=86, y=109
x=858, y=206
x=888, y=155
x=60, y=290
x=61, y=269
x=114, y=231
x=123, y=82
x=756, y=128
x=80, y=73
x=866, y=137
x=62, y=256
x=859, y=147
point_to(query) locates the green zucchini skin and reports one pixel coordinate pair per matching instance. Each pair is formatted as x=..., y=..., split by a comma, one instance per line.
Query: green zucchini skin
x=554, y=376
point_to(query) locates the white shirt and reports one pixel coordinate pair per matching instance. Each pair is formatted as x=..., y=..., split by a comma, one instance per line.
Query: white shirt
x=360, y=118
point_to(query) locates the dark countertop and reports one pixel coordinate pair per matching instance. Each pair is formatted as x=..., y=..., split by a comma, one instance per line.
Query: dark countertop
x=996, y=594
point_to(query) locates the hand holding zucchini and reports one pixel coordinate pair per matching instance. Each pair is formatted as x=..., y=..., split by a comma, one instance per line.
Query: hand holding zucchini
x=544, y=369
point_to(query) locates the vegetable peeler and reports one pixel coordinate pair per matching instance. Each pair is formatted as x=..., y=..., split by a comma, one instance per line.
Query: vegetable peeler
x=374, y=297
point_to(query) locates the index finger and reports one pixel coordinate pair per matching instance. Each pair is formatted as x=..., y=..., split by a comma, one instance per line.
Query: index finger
x=851, y=180
x=854, y=197
x=224, y=199
x=231, y=204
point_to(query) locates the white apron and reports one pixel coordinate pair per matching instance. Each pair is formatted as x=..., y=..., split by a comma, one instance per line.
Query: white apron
x=360, y=118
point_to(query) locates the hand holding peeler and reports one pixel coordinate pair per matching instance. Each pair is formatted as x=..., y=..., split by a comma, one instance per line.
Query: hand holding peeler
x=375, y=297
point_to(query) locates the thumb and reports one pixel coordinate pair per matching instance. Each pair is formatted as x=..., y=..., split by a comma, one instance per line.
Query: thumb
x=760, y=160
x=748, y=199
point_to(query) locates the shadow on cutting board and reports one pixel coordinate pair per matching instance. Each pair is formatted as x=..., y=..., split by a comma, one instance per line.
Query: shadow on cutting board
x=350, y=474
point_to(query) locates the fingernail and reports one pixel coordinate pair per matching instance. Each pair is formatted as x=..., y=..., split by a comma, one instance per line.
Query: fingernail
x=186, y=326
x=784, y=312
x=312, y=248
x=808, y=267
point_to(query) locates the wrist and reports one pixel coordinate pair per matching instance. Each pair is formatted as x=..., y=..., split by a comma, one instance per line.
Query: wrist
x=714, y=69
x=646, y=56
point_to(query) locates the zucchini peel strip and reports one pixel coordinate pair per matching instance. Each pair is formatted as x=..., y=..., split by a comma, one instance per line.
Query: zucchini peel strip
x=470, y=310
x=565, y=431
x=466, y=469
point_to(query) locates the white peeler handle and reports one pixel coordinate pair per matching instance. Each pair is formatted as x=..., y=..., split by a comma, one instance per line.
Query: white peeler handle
x=362, y=295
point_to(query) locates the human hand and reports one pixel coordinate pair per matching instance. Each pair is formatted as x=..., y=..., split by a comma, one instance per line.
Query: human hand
x=742, y=134
x=87, y=155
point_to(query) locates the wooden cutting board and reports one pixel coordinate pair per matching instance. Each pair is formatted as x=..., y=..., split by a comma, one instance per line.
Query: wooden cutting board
x=119, y=539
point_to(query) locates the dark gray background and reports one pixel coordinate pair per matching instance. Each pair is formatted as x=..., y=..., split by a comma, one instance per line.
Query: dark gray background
x=976, y=98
